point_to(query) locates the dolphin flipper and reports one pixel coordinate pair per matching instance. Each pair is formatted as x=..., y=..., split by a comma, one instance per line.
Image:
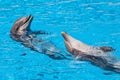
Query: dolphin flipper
x=39, y=32
x=106, y=49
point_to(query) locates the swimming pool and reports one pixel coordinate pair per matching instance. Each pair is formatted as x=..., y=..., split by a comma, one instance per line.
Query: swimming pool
x=93, y=22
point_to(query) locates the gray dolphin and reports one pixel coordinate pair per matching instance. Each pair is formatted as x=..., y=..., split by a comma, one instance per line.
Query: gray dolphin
x=21, y=32
x=95, y=55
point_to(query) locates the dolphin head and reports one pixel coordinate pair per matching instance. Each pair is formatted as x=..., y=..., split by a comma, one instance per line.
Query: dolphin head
x=21, y=26
x=73, y=45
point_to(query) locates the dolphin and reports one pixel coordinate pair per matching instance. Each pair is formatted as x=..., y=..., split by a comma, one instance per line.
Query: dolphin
x=22, y=33
x=98, y=56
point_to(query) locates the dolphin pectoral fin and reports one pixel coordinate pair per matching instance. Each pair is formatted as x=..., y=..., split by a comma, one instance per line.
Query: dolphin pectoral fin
x=106, y=49
x=39, y=32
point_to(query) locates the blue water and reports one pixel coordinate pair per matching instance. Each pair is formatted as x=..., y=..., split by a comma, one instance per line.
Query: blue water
x=95, y=22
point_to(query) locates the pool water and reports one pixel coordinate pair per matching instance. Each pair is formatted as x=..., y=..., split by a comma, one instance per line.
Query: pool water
x=96, y=23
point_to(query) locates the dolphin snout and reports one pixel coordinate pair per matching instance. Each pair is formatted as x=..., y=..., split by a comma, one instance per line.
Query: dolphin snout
x=67, y=41
x=65, y=36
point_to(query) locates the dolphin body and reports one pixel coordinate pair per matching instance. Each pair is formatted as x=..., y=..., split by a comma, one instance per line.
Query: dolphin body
x=95, y=55
x=21, y=32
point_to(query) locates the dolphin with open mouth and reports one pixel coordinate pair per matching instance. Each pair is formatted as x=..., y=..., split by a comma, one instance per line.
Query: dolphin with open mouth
x=21, y=32
x=95, y=55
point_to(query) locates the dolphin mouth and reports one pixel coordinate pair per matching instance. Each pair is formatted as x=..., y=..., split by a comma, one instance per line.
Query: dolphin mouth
x=65, y=36
x=67, y=41
x=28, y=18
x=27, y=21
